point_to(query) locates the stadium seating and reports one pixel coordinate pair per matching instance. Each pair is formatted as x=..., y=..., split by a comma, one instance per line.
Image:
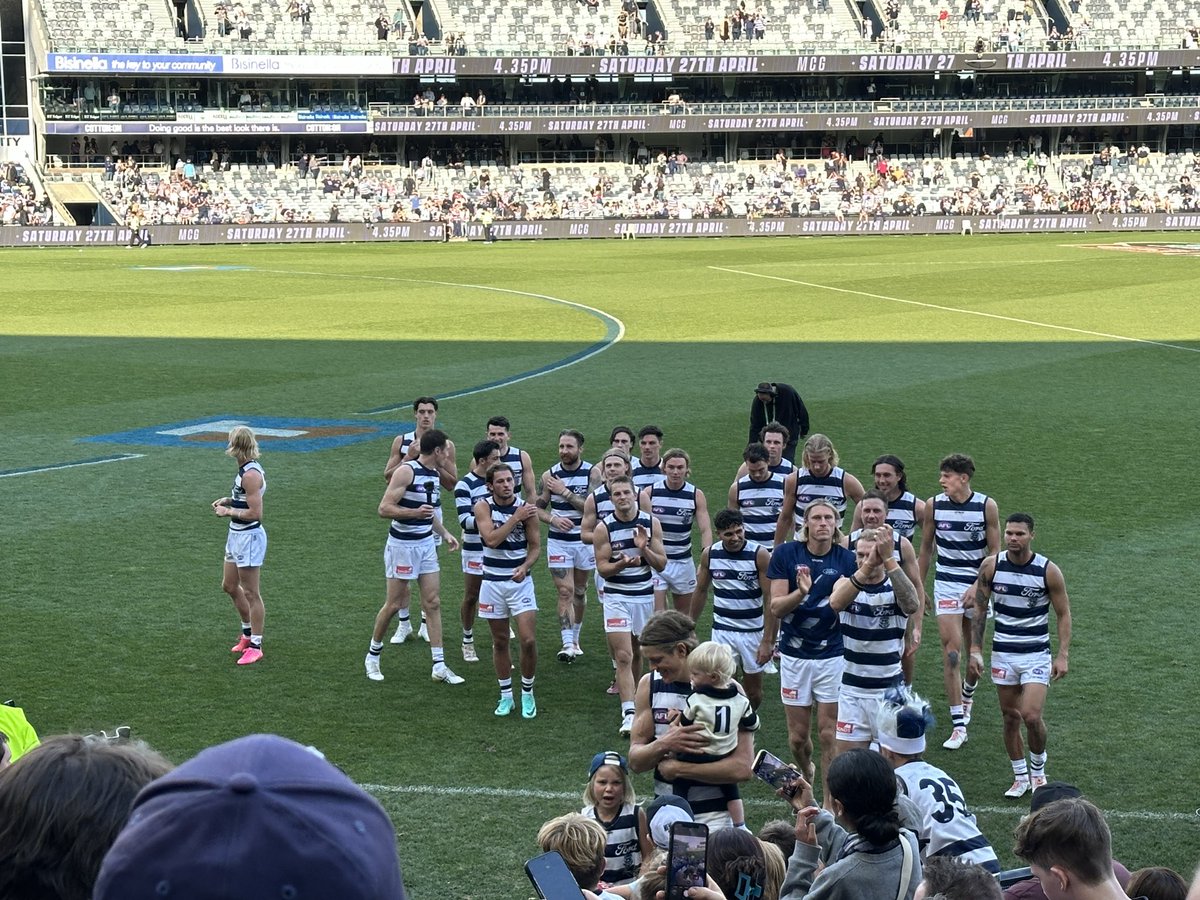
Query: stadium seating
x=790, y=25
x=18, y=198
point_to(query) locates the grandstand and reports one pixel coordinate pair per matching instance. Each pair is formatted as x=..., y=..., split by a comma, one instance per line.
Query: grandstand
x=980, y=92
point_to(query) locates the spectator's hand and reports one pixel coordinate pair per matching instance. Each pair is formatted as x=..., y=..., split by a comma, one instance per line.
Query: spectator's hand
x=806, y=825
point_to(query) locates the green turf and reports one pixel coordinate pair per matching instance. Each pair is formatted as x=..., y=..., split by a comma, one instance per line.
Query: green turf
x=111, y=608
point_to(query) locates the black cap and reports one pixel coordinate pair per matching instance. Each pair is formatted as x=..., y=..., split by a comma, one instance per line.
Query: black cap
x=1051, y=791
x=765, y=387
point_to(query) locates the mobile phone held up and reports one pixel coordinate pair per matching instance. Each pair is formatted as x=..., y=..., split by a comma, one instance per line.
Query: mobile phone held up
x=551, y=878
x=774, y=771
x=687, y=858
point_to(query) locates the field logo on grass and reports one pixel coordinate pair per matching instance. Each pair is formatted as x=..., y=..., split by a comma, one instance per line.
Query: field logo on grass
x=274, y=434
x=1161, y=249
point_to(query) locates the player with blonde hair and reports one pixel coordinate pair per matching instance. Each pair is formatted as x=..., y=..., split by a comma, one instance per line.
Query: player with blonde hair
x=246, y=543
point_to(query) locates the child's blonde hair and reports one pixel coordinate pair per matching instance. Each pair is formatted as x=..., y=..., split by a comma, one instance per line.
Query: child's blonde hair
x=711, y=658
x=614, y=759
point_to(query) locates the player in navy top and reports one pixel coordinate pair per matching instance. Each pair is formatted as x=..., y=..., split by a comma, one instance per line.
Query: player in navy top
x=1023, y=586
x=802, y=575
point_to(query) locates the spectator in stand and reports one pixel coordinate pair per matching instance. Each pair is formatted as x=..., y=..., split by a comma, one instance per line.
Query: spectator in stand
x=1069, y=848
x=398, y=23
x=948, y=878
x=467, y=104
x=1157, y=883
x=710, y=29
x=62, y=805
x=382, y=27
x=260, y=816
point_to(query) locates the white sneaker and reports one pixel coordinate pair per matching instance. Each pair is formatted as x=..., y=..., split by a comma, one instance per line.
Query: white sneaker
x=442, y=673
x=469, y=654
x=967, y=704
x=957, y=738
x=373, y=668
x=626, y=725
x=771, y=669
x=423, y=633
x=566, y=654
x=403, y=632
x=1020, y=787
x=576, y=650
x=1037, y=781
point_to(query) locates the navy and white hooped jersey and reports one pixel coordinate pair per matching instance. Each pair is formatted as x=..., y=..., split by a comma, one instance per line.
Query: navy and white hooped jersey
x=666, y=698
x=406, y=440
x=902, y=514
x=1022, y=603
x=960, y=537
x=784, y=468
x=810, y=487
x=499, y=563
x=737, y=594
x=872, y=639
x=759, y=503
x=622, y=851
x=576, y=481
x=513, y=460
x=897, y=555
x=675, y=511
x=237, y=497
x=424, y=490
x=948, y=827
x=467, y=493
x=603, y=501
x=635, y=581
x=646, y=476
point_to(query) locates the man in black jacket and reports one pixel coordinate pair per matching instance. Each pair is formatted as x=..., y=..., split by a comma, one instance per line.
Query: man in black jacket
x=778, y=402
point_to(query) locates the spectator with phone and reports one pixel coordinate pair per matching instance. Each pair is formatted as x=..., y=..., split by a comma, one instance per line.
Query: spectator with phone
x=718, y=703
x=878, y=858
x=612, y=804
x=737, y=862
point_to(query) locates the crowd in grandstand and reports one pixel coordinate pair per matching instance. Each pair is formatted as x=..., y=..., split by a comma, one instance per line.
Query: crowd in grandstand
x=662, y=185
x=19, y=203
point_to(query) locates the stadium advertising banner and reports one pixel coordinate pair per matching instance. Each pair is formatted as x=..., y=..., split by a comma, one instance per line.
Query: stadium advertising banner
x=686, y=124
x=351, y=65
x=220, y=127
x=385, y=232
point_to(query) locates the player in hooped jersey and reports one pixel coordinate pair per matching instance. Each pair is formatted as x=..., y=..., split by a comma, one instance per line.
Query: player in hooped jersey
x=757, y=494
x=499, y=430
x=679, y=507
x=1023, y=586
x=629, y=547
x=873, y=604
x=407, y=446
x=561, y=503
x=409, y=502
x=904, y=510
x=246, y=543
x=774, y=438
x=469, y=490
x=736, y=568
x=872, y=510
x=961, y=527
x=820, y=478
x=512, y=543
x=648, y=469
x=948, y=827
x=621, y=438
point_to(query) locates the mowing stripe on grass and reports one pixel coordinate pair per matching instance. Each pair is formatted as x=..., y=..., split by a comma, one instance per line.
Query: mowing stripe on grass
x=96, y=461
x=614, y=331
x=955, y=309
x=1140, y=815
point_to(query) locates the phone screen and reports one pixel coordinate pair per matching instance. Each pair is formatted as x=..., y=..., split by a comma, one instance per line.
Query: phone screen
x=551, y=877
x=687, y=859
x=774, y=771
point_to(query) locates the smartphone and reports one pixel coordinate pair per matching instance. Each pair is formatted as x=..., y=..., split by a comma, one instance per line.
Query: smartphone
x=687, y=858
x=774, y=771
x=551, y=878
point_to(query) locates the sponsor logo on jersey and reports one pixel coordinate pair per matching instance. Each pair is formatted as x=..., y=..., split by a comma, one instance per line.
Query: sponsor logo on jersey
x=557, y=559
x=487, y=607
x=404, y=570
x=999, y=672
x=616, y=622
x=475, y=565
x=790, y=693
x=948, y=604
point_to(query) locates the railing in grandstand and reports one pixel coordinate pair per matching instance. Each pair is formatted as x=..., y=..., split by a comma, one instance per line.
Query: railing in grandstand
x=1099, y=39
x=802, y=107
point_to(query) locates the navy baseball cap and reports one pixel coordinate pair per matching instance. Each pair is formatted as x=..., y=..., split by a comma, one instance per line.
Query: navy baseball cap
x=260, y=816
x=607, y=758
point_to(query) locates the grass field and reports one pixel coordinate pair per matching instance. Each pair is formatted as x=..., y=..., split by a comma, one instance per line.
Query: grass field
x=1069, y=373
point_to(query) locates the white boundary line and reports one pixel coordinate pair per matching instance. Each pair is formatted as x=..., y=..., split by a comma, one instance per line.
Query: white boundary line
x=1140, y=815
x=955, y=309
x=75, y=465
x=607, y=318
